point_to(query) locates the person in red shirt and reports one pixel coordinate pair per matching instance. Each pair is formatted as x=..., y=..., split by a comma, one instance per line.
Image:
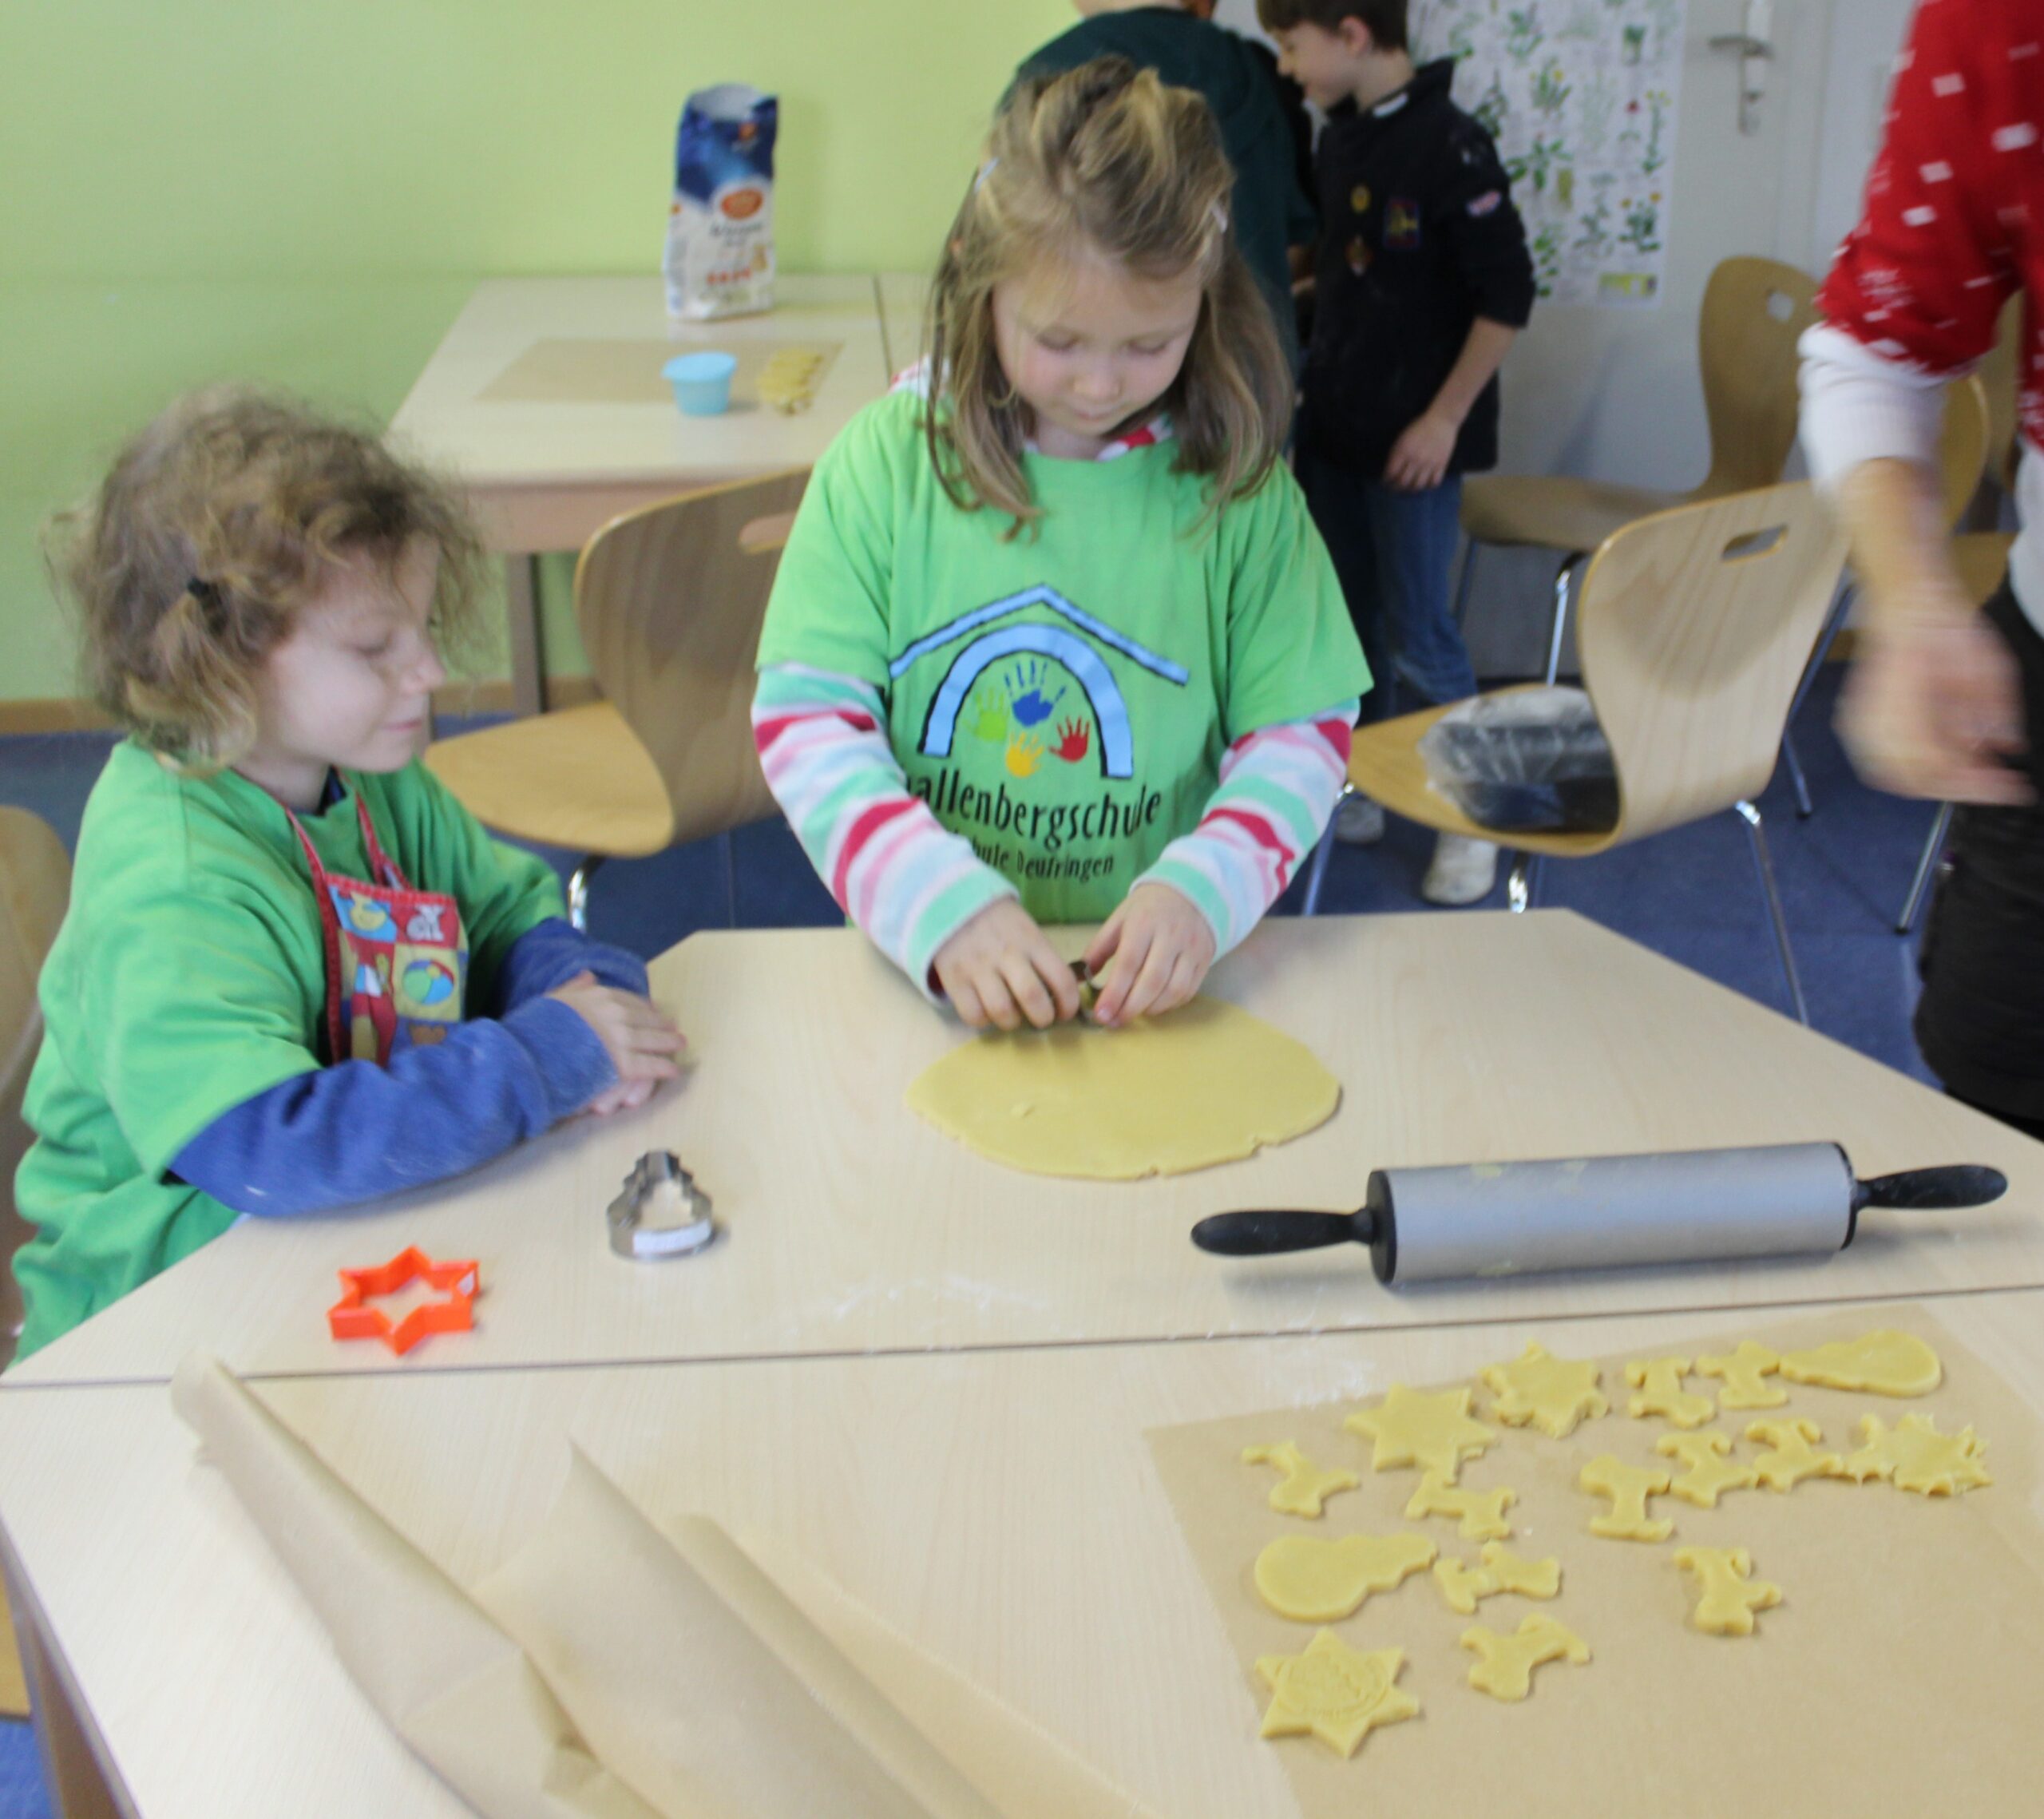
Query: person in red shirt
x=1948, y=702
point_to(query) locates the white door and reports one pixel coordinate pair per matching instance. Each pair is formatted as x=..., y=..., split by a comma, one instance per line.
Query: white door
x=1612, y=393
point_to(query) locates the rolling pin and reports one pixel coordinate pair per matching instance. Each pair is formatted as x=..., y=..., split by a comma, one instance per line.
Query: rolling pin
x=1514, y=1219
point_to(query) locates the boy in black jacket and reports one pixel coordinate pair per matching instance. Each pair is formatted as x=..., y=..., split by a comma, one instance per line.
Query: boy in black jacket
x=1421, y=280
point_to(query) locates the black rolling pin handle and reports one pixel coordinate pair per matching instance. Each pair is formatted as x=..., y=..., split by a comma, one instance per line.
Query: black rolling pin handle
x=1264, y=1234
x=1926, y=1190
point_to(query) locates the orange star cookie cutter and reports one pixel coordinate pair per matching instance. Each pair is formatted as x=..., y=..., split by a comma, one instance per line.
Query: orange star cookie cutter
x=348, y=1318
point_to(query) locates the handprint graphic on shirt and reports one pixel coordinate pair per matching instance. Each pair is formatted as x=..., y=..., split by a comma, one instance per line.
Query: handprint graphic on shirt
x=986, y=714
x=1024, y=752
x=1025, y=691
x=1075, y=740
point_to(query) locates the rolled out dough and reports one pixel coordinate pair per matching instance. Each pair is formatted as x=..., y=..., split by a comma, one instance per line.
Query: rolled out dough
x=1208, y=1084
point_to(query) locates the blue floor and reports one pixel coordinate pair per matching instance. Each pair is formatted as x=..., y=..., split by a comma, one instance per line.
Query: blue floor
x=1690, y=894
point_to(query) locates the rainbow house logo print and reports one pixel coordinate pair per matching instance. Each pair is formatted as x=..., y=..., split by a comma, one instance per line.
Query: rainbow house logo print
x=1038, y=690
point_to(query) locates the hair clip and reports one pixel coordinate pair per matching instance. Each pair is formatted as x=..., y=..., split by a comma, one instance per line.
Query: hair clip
x=1220, y=218
x=207, y=593
x=986, y=170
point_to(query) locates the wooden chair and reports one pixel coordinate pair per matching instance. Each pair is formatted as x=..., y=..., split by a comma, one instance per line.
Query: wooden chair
x=1754, y=311
x=669, y=600
x=1694, y=625
x=35, y=889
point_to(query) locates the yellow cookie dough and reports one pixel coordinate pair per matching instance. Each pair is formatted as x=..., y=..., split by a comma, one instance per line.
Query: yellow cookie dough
x=1502, y=1571
x=1321, y=1582
x=1726, y=1599
x=1917, y=1457
x=1706, y=1476
x=1411, y=1427
x=1208, y=1084
x=1303, y=1488
x=1659, y=1381
x=1793, y=1457
x=1886, y=1363
x=789, y=379
x=1333, y=1692
x=1628, y=1487
x=1538, y=1389
x=1505, y=1664
x=1481, y=1513
x=1744, y=1373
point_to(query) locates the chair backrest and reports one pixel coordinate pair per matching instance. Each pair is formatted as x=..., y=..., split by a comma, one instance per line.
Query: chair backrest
x=669, y=600
x=35, y=889
x=1963, y=445
x=2000, y=372
x=1694, y=629
x=1754, y=310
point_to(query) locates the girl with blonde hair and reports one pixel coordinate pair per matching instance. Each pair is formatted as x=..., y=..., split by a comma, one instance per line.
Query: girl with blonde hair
x=1054, y=638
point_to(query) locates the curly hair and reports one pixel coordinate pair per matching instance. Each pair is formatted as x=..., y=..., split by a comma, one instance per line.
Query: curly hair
x=1103, y=160
x=215, y=527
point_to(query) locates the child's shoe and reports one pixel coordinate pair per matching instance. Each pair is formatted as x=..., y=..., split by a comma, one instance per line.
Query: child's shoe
x=1358, y=822
x=1462, y=871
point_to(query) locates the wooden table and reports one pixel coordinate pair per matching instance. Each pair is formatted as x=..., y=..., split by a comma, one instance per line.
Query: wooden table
x=854, y=1228
x=545, y=400
x=999, y=1508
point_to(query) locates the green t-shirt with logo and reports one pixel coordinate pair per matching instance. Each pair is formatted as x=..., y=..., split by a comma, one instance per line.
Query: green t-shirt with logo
x=1062, y=697
x=189, y=976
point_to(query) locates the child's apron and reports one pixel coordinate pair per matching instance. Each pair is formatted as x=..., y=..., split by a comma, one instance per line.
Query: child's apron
x=396, y=958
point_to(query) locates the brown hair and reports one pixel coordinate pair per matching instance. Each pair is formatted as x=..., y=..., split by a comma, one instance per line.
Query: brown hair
x=1385, y=18
x=216, y=525
x=1104, y=159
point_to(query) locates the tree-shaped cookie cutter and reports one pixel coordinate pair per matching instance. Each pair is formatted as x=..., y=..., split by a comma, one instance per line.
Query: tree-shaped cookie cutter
x=348, y=1319
x=661, y=1212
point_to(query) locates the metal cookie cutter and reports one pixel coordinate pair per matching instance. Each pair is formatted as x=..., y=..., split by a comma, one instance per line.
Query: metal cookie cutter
x=661, y=1212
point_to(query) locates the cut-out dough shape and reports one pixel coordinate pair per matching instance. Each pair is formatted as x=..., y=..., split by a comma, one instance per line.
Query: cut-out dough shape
x=1303, y=1488
x=1505, y=1664
x=1538, y=1389
x=1333, y=1692
x=1628, y=1487
x=1208, y=1084
x=1321, y=1582
x=1726, y=1598
x=1432, y=1431
x=1745, y=1373
x=1707, y=1476
x=1916, y=1457
x=1886, y=1363
x=1481, y=1513
x=1659, y=1382
x=1502, y=1571
x=1793, y=1457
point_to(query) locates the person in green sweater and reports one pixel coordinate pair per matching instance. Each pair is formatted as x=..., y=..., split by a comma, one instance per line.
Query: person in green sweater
x=1262, y=117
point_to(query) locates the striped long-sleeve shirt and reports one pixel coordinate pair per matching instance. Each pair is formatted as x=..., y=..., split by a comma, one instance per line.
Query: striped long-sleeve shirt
x=910, y=884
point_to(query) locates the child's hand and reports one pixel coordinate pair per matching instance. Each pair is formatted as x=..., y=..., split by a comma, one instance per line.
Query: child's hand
x=1000, y=968
x=639, y=1037
x=1421, y=457
x=627, y=1095
x=1161, y=947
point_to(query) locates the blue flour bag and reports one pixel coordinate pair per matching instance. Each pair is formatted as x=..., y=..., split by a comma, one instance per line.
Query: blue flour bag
x=720, y=228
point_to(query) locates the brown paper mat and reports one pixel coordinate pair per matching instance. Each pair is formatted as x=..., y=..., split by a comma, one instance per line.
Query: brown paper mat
x=628, y=372
x=1903, y=1671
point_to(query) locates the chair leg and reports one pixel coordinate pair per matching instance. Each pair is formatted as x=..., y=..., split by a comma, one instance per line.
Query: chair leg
x=1462, y=587
x=578, y=891
x=1797, y=781
x=730, y=878
x=1317, y=867
x=1764, y=865
x=1558, y=633
x=1834, y=622
x=1521, y=884
x=1927, y=864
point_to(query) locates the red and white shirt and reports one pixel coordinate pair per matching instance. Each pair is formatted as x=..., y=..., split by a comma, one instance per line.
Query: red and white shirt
x=1953, y=225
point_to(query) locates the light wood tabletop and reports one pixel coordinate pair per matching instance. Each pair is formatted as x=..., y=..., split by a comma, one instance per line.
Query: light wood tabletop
x=545, y=400
x=1000, y=1509
x=852, y=1227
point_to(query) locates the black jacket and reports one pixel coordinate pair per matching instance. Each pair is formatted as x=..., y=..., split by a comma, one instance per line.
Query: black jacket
x=1260, y=115
x=1418, y=239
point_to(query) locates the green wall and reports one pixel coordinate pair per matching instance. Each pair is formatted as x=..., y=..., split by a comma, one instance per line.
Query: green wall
x=304, y=194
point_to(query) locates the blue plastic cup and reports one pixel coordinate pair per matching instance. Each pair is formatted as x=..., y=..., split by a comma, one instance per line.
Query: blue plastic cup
x=702, y=383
